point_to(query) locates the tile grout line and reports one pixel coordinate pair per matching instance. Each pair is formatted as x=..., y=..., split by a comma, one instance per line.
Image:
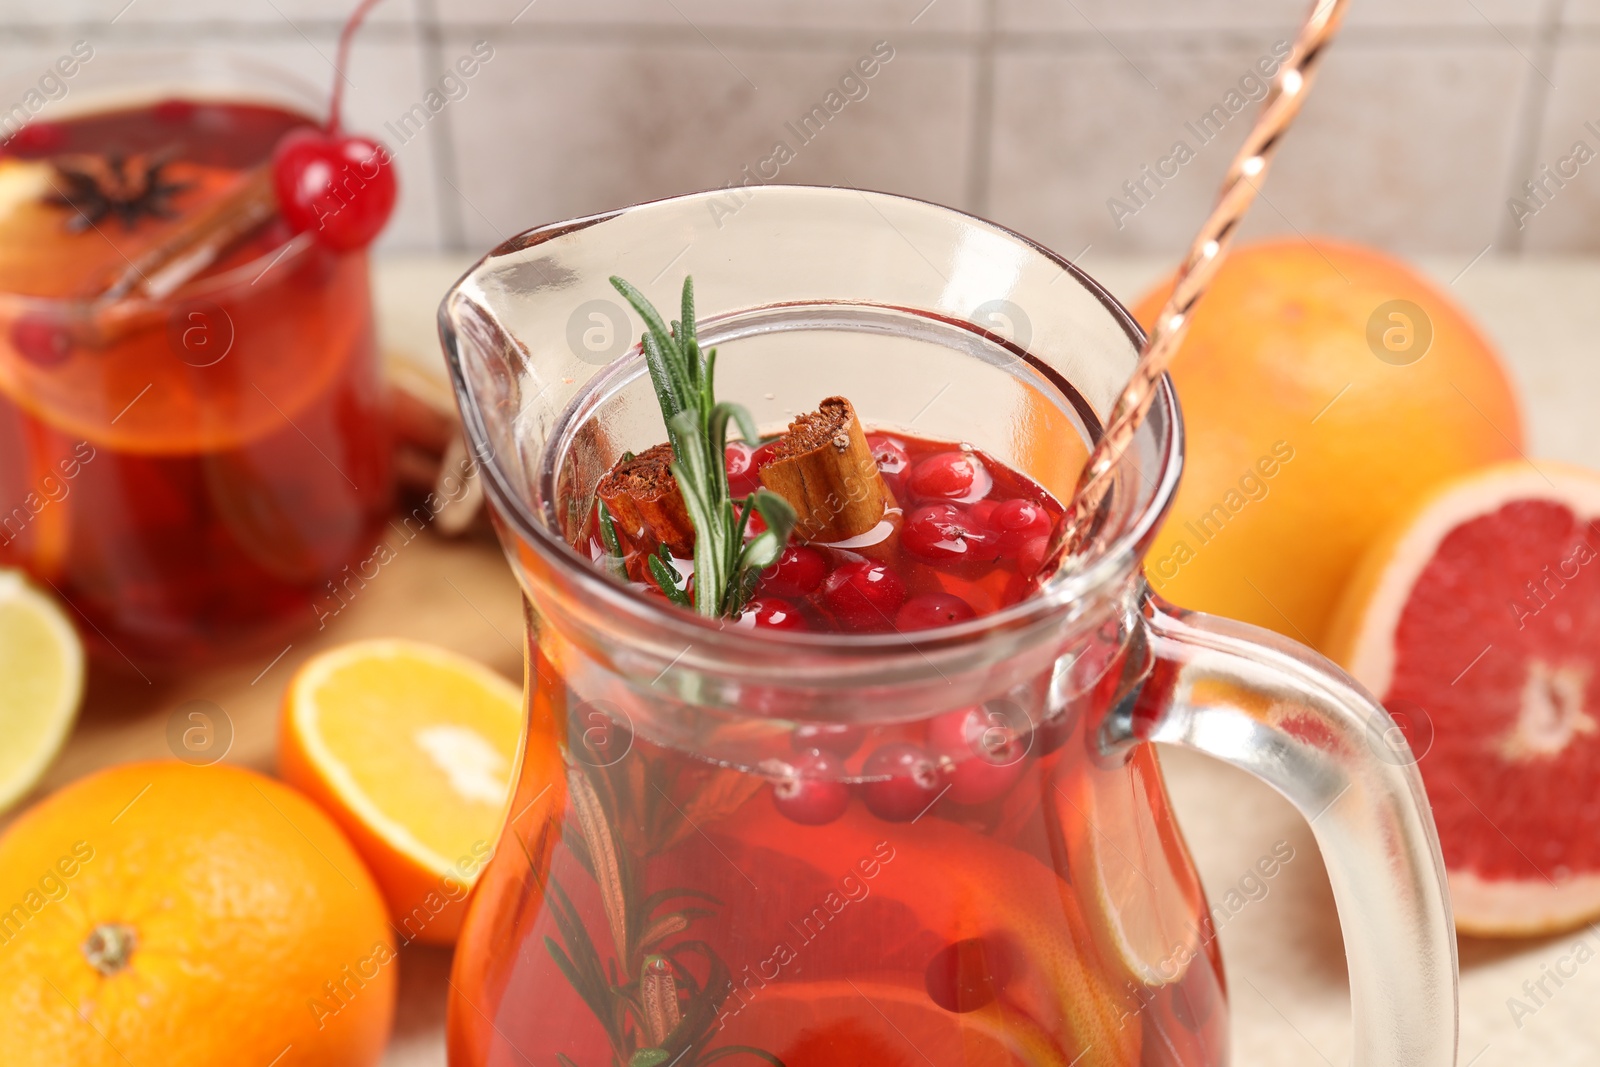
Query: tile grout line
x=1426, y=37
x=1523, y=157
x=441, y=137
x=980, y=143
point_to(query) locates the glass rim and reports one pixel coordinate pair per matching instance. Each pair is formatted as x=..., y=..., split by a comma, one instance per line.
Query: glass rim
x=1113, y=558
x=243, y=276
x=260, y=82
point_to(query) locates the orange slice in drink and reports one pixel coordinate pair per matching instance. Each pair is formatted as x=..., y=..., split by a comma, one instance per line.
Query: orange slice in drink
x=411, y=748
x=966, y=888
x=1145, y=904
x=873, y=1021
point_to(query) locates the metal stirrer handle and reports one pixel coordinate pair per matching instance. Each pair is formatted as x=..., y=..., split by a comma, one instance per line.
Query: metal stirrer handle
x=1210, y=248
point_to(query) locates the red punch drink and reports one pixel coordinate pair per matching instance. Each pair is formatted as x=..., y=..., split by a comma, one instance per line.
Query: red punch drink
x=967, y=888
x=186, y=468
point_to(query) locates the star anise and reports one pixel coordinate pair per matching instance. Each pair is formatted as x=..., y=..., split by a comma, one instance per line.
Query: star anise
x=129, y=187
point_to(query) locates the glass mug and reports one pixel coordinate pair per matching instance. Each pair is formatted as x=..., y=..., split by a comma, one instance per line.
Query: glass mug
x=648, y=904
x=189, y=471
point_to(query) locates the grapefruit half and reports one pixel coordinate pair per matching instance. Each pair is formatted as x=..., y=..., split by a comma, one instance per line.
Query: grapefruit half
x=1477, y=622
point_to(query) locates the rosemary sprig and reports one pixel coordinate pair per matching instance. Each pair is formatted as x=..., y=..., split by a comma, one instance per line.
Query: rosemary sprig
x=644, y=992
x=725, y=565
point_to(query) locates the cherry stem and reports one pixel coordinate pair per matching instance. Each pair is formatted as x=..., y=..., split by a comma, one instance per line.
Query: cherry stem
x=346, y=36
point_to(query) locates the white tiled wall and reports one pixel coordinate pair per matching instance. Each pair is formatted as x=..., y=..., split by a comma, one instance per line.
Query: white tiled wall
x=1429, y=117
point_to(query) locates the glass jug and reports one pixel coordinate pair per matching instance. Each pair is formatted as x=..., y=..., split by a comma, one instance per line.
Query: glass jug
x=648, y=902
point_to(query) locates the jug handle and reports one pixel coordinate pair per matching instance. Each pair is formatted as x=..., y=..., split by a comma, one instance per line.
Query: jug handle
x=1281, y=712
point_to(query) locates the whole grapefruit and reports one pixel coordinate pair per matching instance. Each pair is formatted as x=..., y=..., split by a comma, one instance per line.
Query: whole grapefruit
x=189, y=916
x=1325, y=387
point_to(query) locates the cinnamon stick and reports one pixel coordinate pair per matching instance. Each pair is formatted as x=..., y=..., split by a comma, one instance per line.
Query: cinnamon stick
x=824, y=468
x=175, y=260
x=645, y=503
x=202, y=237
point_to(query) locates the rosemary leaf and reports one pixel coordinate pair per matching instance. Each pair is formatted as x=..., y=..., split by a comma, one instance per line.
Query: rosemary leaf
x=667, y=581
x=668, y=353
x=661, y=896
x=608, y=537
x=686, y=311
x=684, y=375
x=671, y=923
x=595, y=999
x=741, y=418
x=605, y=850
x=740, y=1050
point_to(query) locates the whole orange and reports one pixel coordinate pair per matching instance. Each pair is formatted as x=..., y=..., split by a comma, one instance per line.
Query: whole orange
x=1325, y=388
x=188, y=916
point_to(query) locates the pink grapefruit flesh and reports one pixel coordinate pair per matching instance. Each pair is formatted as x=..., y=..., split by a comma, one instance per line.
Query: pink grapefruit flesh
x=1478, y=625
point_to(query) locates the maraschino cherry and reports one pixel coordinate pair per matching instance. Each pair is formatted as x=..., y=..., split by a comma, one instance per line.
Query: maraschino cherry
x=338, y=186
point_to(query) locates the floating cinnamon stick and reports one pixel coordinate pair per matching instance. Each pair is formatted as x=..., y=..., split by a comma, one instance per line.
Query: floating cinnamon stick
x=824, y=468
x=200, y=239
x=645, y=503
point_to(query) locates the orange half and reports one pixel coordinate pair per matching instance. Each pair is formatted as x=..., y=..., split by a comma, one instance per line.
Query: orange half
x=412, y=749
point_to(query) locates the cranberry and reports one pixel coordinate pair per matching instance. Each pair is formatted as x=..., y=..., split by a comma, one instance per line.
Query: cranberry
x=947, y=533
x=36, y=139
x=1030, y=555
x=741, y=478
x=41, y=341
x=771, y=613
x=890, y=454
x=908, y=782
x=928, y=610
x=799, y=571
x=810, y=792
x=950, y=476
x=968, y=974
x=744, y=466
x=1016, y=522
x=834, y=737
x=980, y=750
x=340, y=187
x=864, y=594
